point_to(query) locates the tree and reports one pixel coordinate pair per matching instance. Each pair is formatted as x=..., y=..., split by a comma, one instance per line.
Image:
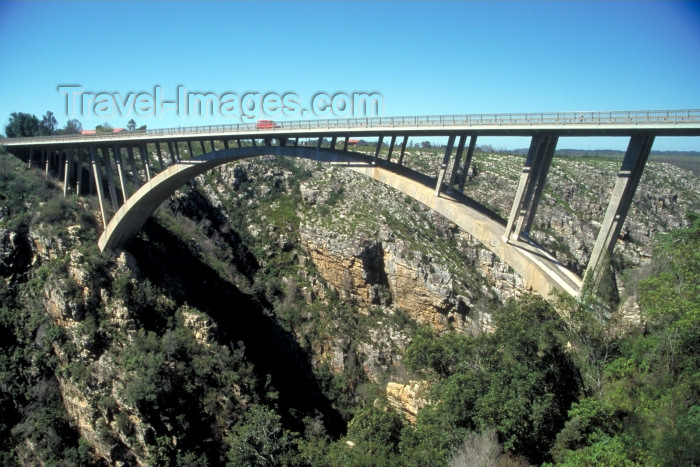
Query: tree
x=48, y=124
x=426, y=144
x=73, y=127
x=131, y=125
x=477, y=449
x=22, y=125
x=260, y=439
x=518, y=380
x=104, y=128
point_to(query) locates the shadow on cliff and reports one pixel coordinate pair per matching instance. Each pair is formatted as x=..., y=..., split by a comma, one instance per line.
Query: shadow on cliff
x=168, y=263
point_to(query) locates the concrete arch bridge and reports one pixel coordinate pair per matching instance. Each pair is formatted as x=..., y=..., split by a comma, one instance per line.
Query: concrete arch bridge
x=106, y=165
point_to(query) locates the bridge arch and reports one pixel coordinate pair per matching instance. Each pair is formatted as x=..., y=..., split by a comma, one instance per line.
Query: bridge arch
x=542, y=271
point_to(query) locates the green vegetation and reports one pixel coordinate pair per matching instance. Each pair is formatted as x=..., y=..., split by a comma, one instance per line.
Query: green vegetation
x=642, y=386
x=170, y=376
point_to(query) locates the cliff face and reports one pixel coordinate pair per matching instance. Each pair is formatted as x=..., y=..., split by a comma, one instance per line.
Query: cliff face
x=383, y=273
x=344, y=276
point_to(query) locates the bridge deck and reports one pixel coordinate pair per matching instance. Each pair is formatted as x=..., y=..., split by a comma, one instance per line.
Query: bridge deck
x=657, y=122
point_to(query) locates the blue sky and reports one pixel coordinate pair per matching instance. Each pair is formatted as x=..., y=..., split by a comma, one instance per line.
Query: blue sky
x=424, y=58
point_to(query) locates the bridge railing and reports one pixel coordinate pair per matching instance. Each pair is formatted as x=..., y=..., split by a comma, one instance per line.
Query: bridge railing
x=664, y=117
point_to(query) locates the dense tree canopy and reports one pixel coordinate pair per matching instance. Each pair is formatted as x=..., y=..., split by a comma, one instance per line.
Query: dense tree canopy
x=72, y=127
x=22, y=125
x=48, y=124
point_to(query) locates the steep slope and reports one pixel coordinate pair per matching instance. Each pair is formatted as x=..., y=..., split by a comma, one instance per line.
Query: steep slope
x=269, y=295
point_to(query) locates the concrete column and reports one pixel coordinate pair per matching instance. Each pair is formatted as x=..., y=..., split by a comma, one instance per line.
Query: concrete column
x=333, y=140
x=160, y=157
x=391, y=148
x=225, y=144
x=455, y=166
x=296, y=142
x=525, y=224
x=79, y=172
x=68, y=161
x=98, y=181
x=189, y=147
x=627, y=180
x=445, y=163
x=43, y=154
x=238, y=141
x=201, y=143
x=49, y=154
x=134, y=171
x=535, y=171
x=110, y=177
x=345, y=143
x=376, y=151
x=319, y=142
x=467, y=163
x=403, y=149
x=171, y=150
x=91, y=179
x=59, y=158
x=120, y=171
x=144, y=160
x=211, y=141
x=31, y=156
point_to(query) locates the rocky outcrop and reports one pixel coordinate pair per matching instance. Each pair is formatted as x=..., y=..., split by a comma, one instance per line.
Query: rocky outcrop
x=407, y=399
x=374, y=272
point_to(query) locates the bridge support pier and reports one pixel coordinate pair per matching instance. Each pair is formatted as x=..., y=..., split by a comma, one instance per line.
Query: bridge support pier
x=134, y=171
x=160, y=156
x=91, y=179
x=620, y=201
x=171, y=150
x=532, y=179
x=445, y=163
x=110, y=178
x=379, y=147
x=467, y=163
x=144, y=160
x=455, y=165
x=31, y=156
x=48, y=162
x=120, y=171
x=43, y=153
x=67, y=163
x=79, y=172
x=97, y=173
x=391, y=148
x=403, y=149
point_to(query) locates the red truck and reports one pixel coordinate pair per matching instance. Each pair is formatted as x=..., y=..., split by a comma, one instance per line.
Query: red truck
x=265, y=124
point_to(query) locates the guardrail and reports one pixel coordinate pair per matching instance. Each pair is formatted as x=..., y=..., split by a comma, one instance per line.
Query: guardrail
x=663, y=117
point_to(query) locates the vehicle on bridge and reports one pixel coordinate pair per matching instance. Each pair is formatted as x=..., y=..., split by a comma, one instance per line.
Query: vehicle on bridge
x=265, y=124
